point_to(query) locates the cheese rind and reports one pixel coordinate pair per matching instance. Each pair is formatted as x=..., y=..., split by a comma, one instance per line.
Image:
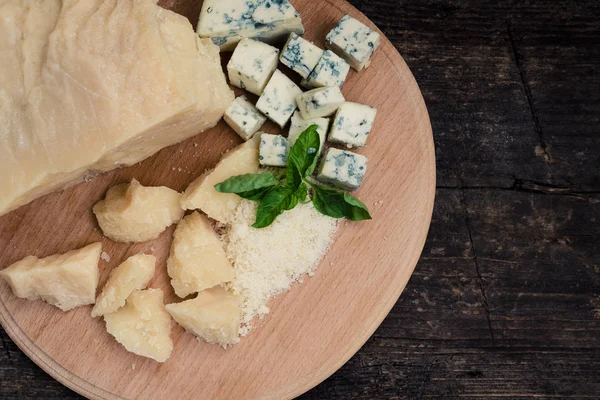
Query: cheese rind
x=201, y=193
x=300, y=55
x=227, y=22
x=319, y=102
x=278, y=100
x=143, y=325
x=244, y=118
x=133, y=274
x=353, y=41
x=299, y=125
x=273, y=150
x=97, y=85
x=331, y=70
x=197, y=260
x=252, y=64
x=343, y=169
x=214, y=316
x=352, y=124
x=136, y=213
x=64, y=280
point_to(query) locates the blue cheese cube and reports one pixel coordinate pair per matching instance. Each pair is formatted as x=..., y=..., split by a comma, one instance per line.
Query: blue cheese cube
x=252, y=64
x=331, y=70
x=319, y=102
x=227, y=22
x=299, y=125
x=353, y=41
x=352, y=124
x=244, y=118
x=273, y=150
x=300, y=55
x=278, y=100
x=343, y=169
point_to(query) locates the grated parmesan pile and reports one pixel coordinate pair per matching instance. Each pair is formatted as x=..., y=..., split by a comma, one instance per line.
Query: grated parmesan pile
x=267, y=261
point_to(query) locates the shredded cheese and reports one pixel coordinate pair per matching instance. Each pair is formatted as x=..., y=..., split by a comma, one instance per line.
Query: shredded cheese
x=267, y=261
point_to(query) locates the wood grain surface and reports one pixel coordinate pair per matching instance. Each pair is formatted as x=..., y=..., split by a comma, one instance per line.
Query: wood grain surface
x=505, y=299
x=312, y=330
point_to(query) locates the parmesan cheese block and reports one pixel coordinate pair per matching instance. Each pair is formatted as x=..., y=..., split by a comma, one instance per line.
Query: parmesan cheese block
x=201, y=193
x=133, y=274
x=214, y=316
x=91, y=85
x=197, y=260
x=135, y=213
x=143, y=326
x=64, y=280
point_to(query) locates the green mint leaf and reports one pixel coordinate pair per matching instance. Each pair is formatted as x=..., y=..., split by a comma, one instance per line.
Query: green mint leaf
x=302, y=157
x=338, y=204
x=247, y=183
x=273, y=204
x=302, y=192
x=256, y=194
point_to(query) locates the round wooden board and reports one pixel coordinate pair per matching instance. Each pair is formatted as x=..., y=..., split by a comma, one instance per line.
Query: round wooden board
x=314, y=328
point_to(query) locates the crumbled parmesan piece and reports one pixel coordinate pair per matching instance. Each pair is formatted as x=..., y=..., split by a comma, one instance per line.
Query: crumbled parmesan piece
x=105, y=256
x=268, y=260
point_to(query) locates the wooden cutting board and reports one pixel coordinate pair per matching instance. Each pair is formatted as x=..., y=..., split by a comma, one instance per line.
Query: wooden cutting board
x=314, y=328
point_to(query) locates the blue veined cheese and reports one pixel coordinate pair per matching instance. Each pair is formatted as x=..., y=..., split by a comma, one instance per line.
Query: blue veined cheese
x=299, y=125
x=343, y=169
x=300, y=55
x=227, y=22
x=352, y=124
x=278, y=100
x=273, y=150
x=331, y=70
x=252, y=64
x=244, y=118
x=353, y=41
x=319, y=102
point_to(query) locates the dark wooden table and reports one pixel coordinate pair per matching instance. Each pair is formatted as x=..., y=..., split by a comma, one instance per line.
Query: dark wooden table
x=505, y=301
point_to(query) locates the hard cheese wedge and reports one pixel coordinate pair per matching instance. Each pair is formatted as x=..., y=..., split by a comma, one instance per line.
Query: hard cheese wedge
x=143, y=326
x=64, y=280
x=93, y=85
x=135, y=213
x=197, y=260
x=201, y=193
x=214, y=316
x=133, y=274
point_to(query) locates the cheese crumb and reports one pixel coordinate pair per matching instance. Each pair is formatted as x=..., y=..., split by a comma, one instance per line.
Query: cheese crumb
x=105, y=256
x=267, y=261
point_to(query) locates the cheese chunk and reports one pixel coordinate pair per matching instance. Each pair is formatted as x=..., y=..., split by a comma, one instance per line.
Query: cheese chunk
x=273, y=150
x=92, y=85
x=353, y=41
x=227, y=22
x=300, y=55
x=331, y=70
x=299, y=125
x=352, y=124
x=133, y=274
x=251, y=65
x=278, y=101
x=343, y=169
x=135, y=213
x=214, y=316
x=197, y=260
x=64, y=280
x=142, y=325
x=201, y=193
x=319, y=102
x=244, y=118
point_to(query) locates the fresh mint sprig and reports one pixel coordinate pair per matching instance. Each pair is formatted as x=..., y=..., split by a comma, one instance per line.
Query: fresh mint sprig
x=277, y=194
